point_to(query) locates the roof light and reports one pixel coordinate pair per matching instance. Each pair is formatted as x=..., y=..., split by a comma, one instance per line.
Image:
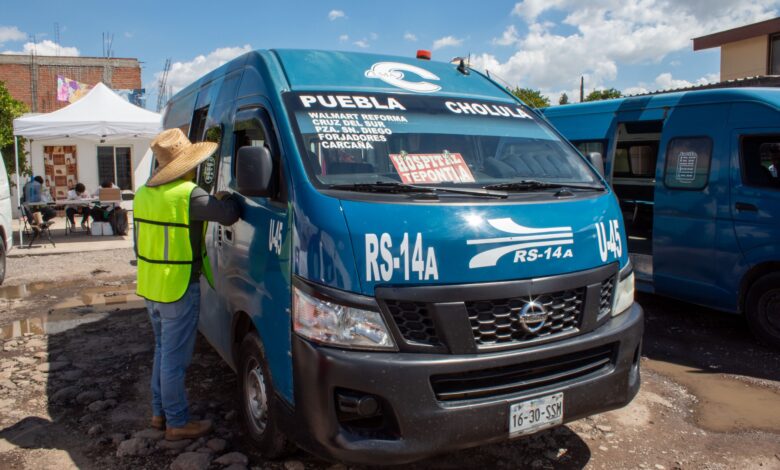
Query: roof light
x=423, y=54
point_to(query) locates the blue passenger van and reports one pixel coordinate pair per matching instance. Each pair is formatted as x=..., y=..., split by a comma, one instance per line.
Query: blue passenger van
x=697, y=175
x=422, y=264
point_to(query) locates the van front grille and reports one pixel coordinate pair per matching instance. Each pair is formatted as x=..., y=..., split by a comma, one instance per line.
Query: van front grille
x=497, y=322
x=607, y=291
x=413, y=321
x=526, y=377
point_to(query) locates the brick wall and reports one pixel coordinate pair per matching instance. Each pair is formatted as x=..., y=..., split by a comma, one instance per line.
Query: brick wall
x=18, y=72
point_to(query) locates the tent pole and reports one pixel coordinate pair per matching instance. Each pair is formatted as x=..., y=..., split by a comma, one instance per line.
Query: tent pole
x=19, y=193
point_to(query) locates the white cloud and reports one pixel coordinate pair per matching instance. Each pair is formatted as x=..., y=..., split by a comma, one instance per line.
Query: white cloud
x=45, y=47
x=410, y=36
x=336, y=14
x=665, y=81
x=184, y=73
x=343, y=38
x=11, y=34
x=508, y=38
x=362, y=43
x=129, y=34
x=530, y=9
x=373, y=36
x=603, y=35
x=447, y=41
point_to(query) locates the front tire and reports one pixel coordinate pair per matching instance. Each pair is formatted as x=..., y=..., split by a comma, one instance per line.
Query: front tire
x=762, y=309
x=257, y=396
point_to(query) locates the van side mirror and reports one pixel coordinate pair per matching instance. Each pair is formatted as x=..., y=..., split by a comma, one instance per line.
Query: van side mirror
x=253, y=171
x=597, y=161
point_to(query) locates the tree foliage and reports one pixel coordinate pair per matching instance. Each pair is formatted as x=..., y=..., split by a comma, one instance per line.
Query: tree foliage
x=10, y=109
x=564, y=99
x=531, y=97
x=607, y=94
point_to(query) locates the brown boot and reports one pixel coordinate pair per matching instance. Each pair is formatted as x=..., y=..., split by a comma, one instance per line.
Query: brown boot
x=158, y=422
x=191, y=430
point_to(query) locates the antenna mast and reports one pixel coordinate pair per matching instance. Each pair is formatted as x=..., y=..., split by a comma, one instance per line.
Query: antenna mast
x=162, y=89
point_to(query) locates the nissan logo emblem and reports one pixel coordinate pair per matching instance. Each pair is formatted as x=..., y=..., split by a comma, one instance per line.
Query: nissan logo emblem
x=533, y=316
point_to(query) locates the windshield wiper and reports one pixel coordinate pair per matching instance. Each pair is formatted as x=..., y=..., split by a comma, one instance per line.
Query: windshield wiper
x=397, y=188
x=531, y=185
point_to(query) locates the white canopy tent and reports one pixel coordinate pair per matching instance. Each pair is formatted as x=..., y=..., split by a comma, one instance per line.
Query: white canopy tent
x=100, y=116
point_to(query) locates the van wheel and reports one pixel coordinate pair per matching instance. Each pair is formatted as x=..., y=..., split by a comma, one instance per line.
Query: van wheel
x=257, y=395
x=2, y=261
x=763, y=309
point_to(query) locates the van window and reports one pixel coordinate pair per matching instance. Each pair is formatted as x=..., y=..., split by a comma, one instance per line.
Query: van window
x=372, y=138
x=635, y=159
x=760, y=160
x=255, y=131
x=587, y=147
x=688, y=163
x=207, y=171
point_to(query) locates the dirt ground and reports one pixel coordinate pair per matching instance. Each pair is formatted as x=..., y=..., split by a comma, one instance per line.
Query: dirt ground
x=75, y=367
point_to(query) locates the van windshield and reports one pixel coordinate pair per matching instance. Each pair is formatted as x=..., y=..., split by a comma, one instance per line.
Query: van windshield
x=354, y=139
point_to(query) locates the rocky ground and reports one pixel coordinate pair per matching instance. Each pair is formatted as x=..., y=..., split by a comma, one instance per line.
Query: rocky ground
x=74, y=394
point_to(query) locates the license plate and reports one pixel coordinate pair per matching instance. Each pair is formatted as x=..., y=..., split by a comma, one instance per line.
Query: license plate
x=530, y=416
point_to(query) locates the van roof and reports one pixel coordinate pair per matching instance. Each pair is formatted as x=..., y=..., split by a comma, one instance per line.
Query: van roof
x=311, y=70
x=318, y=70
x=769, y=96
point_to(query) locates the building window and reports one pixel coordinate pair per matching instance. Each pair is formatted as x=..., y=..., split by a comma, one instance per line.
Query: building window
x=688, y=163
x=115, y=165
x=774, y=55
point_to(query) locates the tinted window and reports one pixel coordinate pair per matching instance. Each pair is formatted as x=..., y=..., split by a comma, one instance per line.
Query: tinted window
x=760, y=157
x=115, y=165
x=587, y=147
x=688, y=163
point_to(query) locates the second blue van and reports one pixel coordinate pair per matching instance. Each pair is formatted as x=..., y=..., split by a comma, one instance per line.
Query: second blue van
x=422, y=265
x=697, y=174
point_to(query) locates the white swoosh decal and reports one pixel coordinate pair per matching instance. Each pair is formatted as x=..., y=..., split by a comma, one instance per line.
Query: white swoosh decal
x=508, y=225
x=490, y=257
x=526, y=238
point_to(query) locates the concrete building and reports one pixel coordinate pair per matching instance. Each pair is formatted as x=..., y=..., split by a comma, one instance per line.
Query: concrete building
x=32, y=79
x=748, y=51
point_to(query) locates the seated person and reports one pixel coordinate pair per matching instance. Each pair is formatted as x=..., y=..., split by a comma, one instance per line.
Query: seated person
x=39, y=215
x=79, y=191
x=99, y=212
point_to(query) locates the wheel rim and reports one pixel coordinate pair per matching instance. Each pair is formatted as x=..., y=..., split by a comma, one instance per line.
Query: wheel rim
x=770, y=304
x=255, y=396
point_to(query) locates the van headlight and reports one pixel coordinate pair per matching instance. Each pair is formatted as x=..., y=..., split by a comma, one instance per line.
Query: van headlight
x=333, y=324
x=624, y=294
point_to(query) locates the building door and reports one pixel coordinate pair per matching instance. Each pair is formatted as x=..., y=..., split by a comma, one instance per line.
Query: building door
x=60, y=169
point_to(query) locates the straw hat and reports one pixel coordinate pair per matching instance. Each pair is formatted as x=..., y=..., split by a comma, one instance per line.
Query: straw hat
x=176, y=155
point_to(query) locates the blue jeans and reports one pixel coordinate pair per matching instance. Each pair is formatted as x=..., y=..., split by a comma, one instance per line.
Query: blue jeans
x=175, y=326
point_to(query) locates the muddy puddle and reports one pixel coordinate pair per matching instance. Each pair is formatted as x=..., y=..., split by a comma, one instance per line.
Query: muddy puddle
x=724, y=404
x=68, y=305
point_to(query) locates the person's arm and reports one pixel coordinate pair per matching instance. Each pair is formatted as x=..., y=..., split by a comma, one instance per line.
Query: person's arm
x=208, y=208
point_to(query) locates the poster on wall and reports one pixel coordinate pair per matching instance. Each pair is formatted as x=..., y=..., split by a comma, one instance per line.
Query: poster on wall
x=60, y=168
x=70, y=90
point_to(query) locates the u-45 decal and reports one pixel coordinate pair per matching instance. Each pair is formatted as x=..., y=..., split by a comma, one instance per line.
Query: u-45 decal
x=609, y=240
x=528, y=244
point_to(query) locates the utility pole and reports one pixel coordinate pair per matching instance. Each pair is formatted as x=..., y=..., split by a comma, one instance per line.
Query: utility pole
x=582, y=88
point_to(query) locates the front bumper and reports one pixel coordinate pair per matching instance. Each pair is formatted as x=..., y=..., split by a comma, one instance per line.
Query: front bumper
x=416, y=424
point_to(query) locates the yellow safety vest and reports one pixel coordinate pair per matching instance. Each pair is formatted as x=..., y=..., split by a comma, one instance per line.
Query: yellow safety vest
x=161, y=217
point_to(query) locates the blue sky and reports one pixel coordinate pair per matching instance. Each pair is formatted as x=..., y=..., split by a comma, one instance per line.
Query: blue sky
x=632, y=45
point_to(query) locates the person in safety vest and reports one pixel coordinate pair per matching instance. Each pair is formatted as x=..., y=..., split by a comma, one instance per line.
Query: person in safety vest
x=169, y=215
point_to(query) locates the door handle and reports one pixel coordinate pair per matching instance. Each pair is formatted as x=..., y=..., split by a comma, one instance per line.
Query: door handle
x=745, y=207
x=228, y=235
